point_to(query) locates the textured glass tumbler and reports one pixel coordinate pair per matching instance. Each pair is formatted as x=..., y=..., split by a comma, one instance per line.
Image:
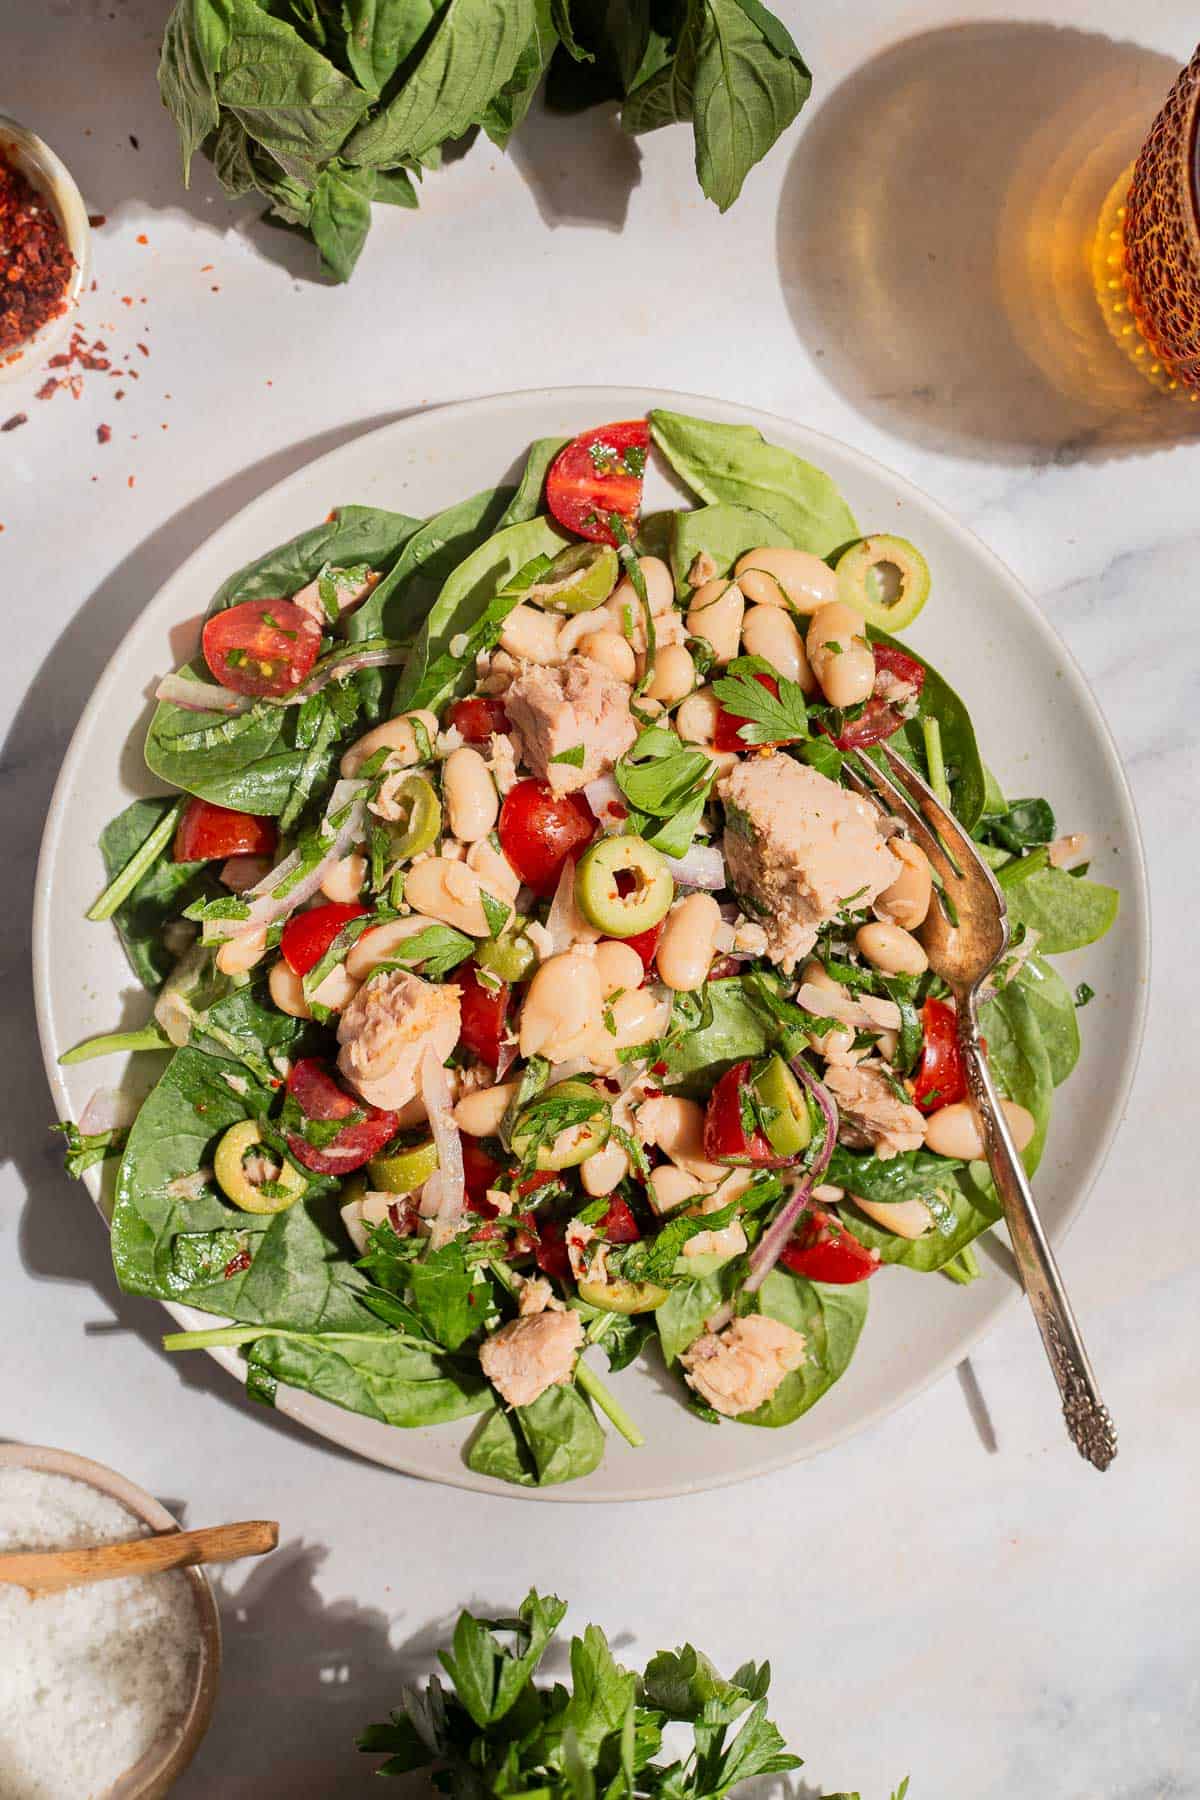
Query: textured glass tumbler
x=1147, y=255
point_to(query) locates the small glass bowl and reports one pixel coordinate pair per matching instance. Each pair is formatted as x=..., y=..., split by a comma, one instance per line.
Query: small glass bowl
x=50, y=176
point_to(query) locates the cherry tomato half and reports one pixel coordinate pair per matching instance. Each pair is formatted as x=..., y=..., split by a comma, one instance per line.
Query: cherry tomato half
x=483, y=1013
x=539, y=829
x=600, y=472
x=646, y=943
x=551, y=1254
x=261, y=647
x=618, y=1224
x=823, y=1250
x=878, y=719
x=726, y=1138
x=480, y=1170
x=940, y=1078
x=725, y=732
x=477, y=718
x=308, y=935
x=205, y=832
x=312, y=1086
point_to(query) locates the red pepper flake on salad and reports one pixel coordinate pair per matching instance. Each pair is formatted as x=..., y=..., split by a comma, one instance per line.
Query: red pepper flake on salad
x=35, y=260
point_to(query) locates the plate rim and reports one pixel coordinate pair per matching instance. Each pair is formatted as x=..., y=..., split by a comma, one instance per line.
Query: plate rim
x=297, y=1405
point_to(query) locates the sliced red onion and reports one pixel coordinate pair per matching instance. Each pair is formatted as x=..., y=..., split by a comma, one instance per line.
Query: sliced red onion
x=267, y=906
x=565, y=924
x=193, y=695
x=702, y=867
x=201, y=696
x=343, y=663
x=451, y=1175
x=108, y=1109
x=607, y=802
x=773, y=1242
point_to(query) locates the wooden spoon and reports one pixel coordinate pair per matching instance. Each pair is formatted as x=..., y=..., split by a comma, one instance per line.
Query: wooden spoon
x=50, y=1571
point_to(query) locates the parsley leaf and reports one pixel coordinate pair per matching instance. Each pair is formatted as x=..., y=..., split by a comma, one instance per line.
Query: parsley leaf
x=496, y=912
x=771, y=718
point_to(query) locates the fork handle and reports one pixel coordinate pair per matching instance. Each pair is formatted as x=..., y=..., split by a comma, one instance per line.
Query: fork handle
x=1086, y=1415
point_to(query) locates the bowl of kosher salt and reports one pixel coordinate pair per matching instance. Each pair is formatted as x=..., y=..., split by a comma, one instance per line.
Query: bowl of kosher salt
x=105, y=1690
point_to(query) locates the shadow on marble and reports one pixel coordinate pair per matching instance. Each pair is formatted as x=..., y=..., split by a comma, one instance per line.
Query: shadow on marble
x=580, y=168
x=935, y=234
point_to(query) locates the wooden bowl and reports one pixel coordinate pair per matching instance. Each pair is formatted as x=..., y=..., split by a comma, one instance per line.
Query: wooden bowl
x=154, y=1774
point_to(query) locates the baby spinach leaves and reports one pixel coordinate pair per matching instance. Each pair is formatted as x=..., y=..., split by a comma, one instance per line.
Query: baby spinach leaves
x=555, y=1439
x=830, y=1320
x=723, y=533
x=1067, y=911
x=161, y=895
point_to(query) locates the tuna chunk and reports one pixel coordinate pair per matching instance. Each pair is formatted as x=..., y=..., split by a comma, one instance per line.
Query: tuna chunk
x=531, y=1354
x=872, y=1116
x=739, y=1371
x=559, y=709
x=384, y=1030
x=350, y=595
x=799, y=848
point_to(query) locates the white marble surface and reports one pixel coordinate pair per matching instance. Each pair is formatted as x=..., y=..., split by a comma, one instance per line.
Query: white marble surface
x=954, y=1594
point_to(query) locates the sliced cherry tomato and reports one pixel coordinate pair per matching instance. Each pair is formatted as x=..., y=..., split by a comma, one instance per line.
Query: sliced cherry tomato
x=476, y=719
x=726, y=1138
x=480, y=1170
x=308, y=935
x=312, y=1086
x=878, y=719
x=823, y=1250
x=618, y=1224
x=261, y=647
x=725, y=732
x=205, y=832
x=940, y=1078
x=551, y=1252
x=539, y=829
x=600, y=472
x=646, y=943
x=483, y=1013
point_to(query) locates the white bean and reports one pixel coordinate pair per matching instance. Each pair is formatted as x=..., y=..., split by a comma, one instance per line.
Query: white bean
x=669, y=1186
x=839, y=1043
x=688, y=943
x=380, y=944
x=891, y=949
x=839, y=655
x=561, y=1007
x=287, y=991
x=956, y=1131
x=908, y=900
x=806, y=581
x=768, y=631
x=715, y=614
x=696, y=720
x=660, y=588
x=619, y=966
x=397, y=737
x=472, y=803
x=601, y=1173
x=674, y=675
x=448, y=891
x=636, y=1016
x=239, y=954
x=676, y=1125
x=343, y=883
x=611, y=651
x=494, y=870
x=532, y=635
x=479, y=1113
x=338, y=989
x=907, y=1218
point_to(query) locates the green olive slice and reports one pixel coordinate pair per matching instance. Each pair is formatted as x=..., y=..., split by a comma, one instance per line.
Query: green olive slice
x=623, y=886
x=510, y=957
x=579, y=579
x=274, y=1195
x=403, y=1170
x=420, y=822
x=622, y=1296
x=587, y=1129
x=884, y=578
x=784, y=1108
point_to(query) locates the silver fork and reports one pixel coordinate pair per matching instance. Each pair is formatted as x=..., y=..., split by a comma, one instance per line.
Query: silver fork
x=965, y=935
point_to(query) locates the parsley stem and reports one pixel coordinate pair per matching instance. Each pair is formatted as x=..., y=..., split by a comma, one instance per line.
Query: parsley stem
x=935, y=762
x=122, y=885
x=596, y=1391
x=149, y=1037
x=963, y=1268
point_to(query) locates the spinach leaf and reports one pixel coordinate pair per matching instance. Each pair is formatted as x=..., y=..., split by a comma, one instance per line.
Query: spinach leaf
x=194, y=41
x=380, y=1374
x=1019, y=1061
x=1053, y=1007
x=680, y=1318
x=428, y=559
x=1022, y=825
x=831, y=1319
x=737, y=1029
x=734, y=464
x=724, y=532
x=555, y=1439
x=161, y=894
x=747, y=86
x=381, y=35
x=961, y=1213
x=466, y=594
x=1067, y=911
x=340, y=216
x=445, y=1296
x=471, y=55
x=964, y=765
x=290, y=98
x=526, y=503
x=83, y=1150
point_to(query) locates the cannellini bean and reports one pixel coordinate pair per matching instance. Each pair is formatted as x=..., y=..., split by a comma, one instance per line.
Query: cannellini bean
x=830, y=1044
x=696, y=720
x=839, y=655
x=676, y=1125
x=287, y=991
x=494, y=870
x=338, y=989
x=886, y=1045
x=636, y=1016
x=573, y=629
x=472, y=803
x=806, y=581
x=768, y=631
x=674, y=675
x=531, y=635
x=449, y=891
x=891, y=949
x=395, y=736
x=907, y=901
x=601, y=1173
x=669, y=1186
x=715, y=614
x=956, y=1131
x=380, y=944
x=828, y=1194
x=561, y=1007
x=344, y=881
x=688, y=943
x=660, y=588
x=907, y=1218
x=239, y=954
x=619, y=966
x=479, y=1114
x=611, y=651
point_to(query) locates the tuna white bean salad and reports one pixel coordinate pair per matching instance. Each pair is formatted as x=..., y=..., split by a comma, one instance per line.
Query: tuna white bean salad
x=537, y=994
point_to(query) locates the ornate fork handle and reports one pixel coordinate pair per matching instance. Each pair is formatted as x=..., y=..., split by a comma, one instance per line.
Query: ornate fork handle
x=1086, y=1415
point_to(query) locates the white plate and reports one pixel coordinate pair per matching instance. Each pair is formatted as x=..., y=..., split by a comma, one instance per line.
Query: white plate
x=1038, y=726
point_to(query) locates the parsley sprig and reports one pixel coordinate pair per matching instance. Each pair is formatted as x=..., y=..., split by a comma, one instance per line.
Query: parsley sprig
x=770, y=718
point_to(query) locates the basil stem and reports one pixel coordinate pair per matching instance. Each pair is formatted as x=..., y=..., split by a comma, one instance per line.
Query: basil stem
x=120, y=888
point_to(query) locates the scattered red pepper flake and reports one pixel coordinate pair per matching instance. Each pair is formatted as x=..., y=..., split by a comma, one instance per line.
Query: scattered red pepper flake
x=206, y=268
x=120, y=394
x=103, y=434
x=216, y=290
x=143, y=349
x=96, y=220
x=47, y=389
x=142, y=238
x=17, y=419
x=37, y=260
x=130, y=481
x=126, y=299
x=237, y=1264
x=134, y=141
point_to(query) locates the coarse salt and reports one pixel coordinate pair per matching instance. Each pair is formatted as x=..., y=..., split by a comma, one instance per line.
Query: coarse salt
x=90, y=1679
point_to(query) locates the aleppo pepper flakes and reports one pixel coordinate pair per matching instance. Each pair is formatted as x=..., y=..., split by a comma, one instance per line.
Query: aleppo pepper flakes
x=35, y=262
